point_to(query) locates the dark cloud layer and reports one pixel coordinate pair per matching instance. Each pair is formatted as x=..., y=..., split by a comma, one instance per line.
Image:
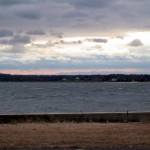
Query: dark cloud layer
x=5, y=33
x=89, y=3
x=12, y=2
x=72, y=16
x=30, y=14
x=17, y=39
x=70, y=43
x=21, y=39
x=97, y=40
x=57, y=34
x=17, y=49
x=36, y=32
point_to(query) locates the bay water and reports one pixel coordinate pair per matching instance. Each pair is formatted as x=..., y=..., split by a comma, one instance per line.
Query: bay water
x=66, y=97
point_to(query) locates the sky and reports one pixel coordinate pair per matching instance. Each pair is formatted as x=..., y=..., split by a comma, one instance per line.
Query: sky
x=75, y=36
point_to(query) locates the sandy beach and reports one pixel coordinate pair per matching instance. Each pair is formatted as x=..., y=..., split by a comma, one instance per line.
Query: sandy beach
x=81, y=135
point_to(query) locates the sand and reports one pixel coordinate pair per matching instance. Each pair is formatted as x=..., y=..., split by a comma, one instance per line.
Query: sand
x=81, y=135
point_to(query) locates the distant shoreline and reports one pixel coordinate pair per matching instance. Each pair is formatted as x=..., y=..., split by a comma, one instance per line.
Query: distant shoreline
x=76, y=78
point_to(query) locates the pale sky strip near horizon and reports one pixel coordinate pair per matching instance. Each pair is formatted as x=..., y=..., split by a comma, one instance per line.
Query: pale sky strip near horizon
x=75, y=36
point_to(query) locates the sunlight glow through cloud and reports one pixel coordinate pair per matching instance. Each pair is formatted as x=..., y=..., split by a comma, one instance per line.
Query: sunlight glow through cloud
x=70, y=36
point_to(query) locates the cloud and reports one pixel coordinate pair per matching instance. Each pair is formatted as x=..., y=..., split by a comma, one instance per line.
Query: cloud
x=119, y=37
x=15, y=49
x=28, y=11
x=74, y=14
x=89, y=3
x=74, y=28
x=20, y=2
x=58, y=44
x=57, y=34
x=70, y=43
x=12, y=2
x=136, y=43
x=62, y=62
x=29, y=15
x=5, y=33
x=36, y=32
x=97, y=40
x=20, y=39
x=17, y=39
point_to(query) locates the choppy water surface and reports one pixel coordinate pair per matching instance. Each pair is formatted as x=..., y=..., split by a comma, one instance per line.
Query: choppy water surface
x=39, y=97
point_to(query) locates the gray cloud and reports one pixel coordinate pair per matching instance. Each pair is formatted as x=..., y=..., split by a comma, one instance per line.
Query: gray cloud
x=36, y=32
x=97, y=40
x=74, y=14
x=57, y=34
x=12, y=2
x=81, y=15
x=57, y=44
x=70, y=43
x=31, y=14
x=31, y=11
x=17, y=39
x=5, y=33
x=21, y=39
x=89, y=3
x=136, y=43
x=21, y=2
x=15, y=49
x=119, y=37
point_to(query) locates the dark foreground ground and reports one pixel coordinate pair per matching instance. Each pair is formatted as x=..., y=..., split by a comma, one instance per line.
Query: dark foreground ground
x=75, y=148
x=104, y=136
x=78, y=149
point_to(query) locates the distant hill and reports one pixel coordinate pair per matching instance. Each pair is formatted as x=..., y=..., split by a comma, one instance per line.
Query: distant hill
x=75, y=78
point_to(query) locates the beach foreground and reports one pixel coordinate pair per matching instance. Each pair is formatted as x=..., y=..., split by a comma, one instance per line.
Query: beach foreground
x=80, y=135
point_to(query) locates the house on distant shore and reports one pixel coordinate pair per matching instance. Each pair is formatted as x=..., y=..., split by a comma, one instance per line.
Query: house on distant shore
x=114, y=80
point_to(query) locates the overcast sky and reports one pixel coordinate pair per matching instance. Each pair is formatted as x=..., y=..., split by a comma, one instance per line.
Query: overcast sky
x=74, y=36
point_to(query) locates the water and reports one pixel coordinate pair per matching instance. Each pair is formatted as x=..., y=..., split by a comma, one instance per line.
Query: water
x=39, y=97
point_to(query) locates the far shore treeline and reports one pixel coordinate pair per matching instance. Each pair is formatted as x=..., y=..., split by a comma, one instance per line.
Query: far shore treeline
x=75, y=78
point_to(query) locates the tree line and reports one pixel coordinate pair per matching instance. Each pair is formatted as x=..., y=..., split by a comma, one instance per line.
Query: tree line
x=76, y=78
